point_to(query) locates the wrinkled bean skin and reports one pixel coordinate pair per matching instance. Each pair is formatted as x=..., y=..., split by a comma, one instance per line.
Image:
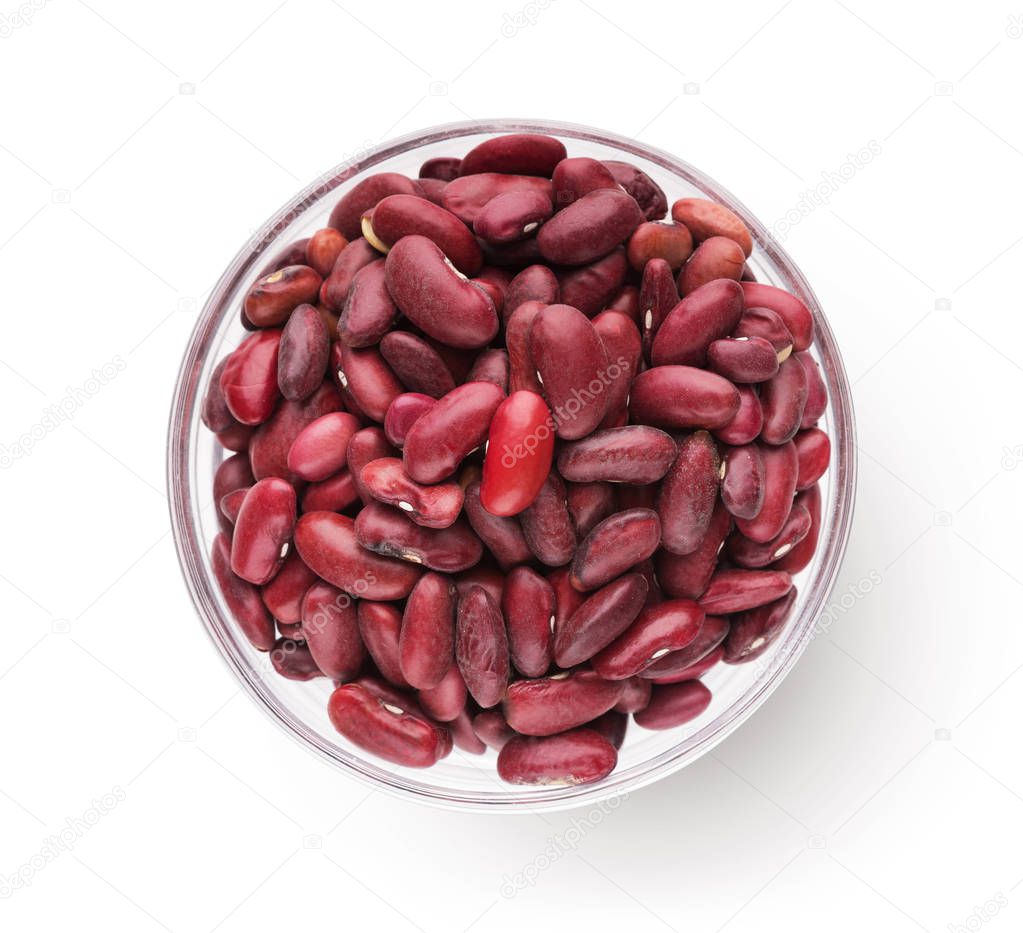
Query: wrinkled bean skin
x=350, y=261
x=512, y=216
x=466, y=196
x=321, y=447
x=492, y=729
x=386, y=730
x=745, y=427
x=519, y=452
x=323, y=248
x=635, y=696
x=555, y=704
x=816, y=391
x=766, y=324
x=682, y=397
x=522, y=375
x=688, y=494
x=491, y=366
x=783, y=398
x=442, y=168
x=547, y=524
x=652, y=240
x=613, y=546
x=781, y=470
x=534, y=283
x=365, y=376
x=334, y=494
x=503, y=536
x=600, y=620
x=631, y=454
x=403, y=215
x=712, y=633
x=369, y=311
x=572, y=365
x=813, y=451
x=590, y=288
x=742, y=486
x=347, y=213
x=706, y=219
x=445, y=435
x=390, y=532
x=248, y=380
x=403, y=413
x=743, y=359
x=685, y=576
x=673, y=705
x=704, y=315
x=302, y=353
x=446, y=701
x=242, y=598
x=365, y=446
x=641, y=186
x=715, y=258
x=283, y=594
x=430, y=506
x=589, y=504
x=753, y=631
x=752, y=555
x=426, y=645
x=293, y=660
x=416, y=363
x=380, y=627
x=330, y=627
x=581, y=756
x=795, y=315
x=528, y=604
x=272, y=299
x=800, y=556
x=514, y=154
x=481, y=647
x=589, y=228
x=433, y=295
x=624, y=348
x=576, y=177
x=738, y=590
x=659, y=630
x=694, y=671
x=263, y=530
x=327, y=543
x=658, y=295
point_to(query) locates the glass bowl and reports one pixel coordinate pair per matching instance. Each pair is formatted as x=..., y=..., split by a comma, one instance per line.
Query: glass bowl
x=465, y=781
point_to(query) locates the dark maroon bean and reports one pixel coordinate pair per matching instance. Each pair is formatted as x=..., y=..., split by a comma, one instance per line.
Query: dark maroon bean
x=293, y=254
x=742, y=485
x=687, y=496
x=369, y=311
x=555, y=704
x=658, y=295
x=781, y=471
x=514, y=154
x=347, y=213
x=491, y=366
x=512, y=216
x=485, y=575
x=403, y=215
x=600, y=620
x=800, y=556
x=738, y=590
x=613, y=546
x=641, y=186
x=659, y=630
x=589, y=228
x=624, y=348
x=682, y=397
x=503, y=536
x=263, y=530
x=481, y=647
x=743, y=359
x=534, y=283
x=755, y=630
x=242, y=598
x=354, y=257
x=566, y=597
x=293, y=660
x=581, y=756
x=612, y=726
x=576, y=177
x=632, y=454
x=626, y=301
x=685, y=576
x=712, y=633
x=694, y=671
x=589, y=503
x=673, y=705
x=783, y=399
x=330, y=627
x=233, y=473
x=334, y=494
x=416, y=363
x=528, y=606
x=215, y=414
x=275, y=296
x=547, y=524
x=303, y=353
x=403, y=413
x=590, y=288
x=703, y=316
x=816, y=391
x=380, y=628
x=390, y=532
x=752, y=555
x=444, y=168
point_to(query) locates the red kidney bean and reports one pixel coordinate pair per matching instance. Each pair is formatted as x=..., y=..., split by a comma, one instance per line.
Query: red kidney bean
x=673, y=705
x=745, y=427
x=466, y=196
x=426, y=644
x=347, y=213
x=687, y=495
x=672, y=243
x=435, y=297
x=659, y=630
x=416, y=363
x=380, y=628
x=330, y=627
x=502, y=536
x=694, y=671
x=528, y=604
x=590, y=288
x=715, y=258
x=321, y=447
x=505, y=255
x=781, y=470
x=446, y=701
x=641, y=186
x=635, y=696
x=242, y=598
x=231, y=504
x=386, y=730
x=369, y=311
x=581, y=756
x=522, y=375
x=589, y=228
x=712, y=633
x=588, y=504
x=365, y=446
x=613, y=546
x=263, y=530
x=431, y=506
x=327, y=543
x=516, y=154
x=275, y=296
x=491, y=366
x=403, y=413
x=706, y=219
x=519, y=452
x=283, y=594
x=354, y=257
x=323, y=248
x=302, y=353
x=743, y=359
x=555, y=704
x=401, y=215
x=800, y=556
x=685, y=576
x=600, y=620
x=658, y=295
x=547, y=524
x=795, y=315
x=573, y=366
x=703, y=316
x=783, y=398
x=534, y=283
x=755, y=630
x=481, y=647
x=445, y=435
x=576, y=177
x=813, y=451
x=766, y=324
x=215, y=414
x=750, y=554
x=443, y=168
x=334, y=494
x=492, y=729
x=512, y=216
x=292, y=660
x=248, y=381
x=816, y=391
x=268, y=449
x=742, y=485
x=631, y=454
x=738, y=590
x=366, y=377
x=389, y=532
x=624, y=348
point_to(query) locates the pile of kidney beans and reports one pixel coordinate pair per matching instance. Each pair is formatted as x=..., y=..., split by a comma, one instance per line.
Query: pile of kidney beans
x=516, y=457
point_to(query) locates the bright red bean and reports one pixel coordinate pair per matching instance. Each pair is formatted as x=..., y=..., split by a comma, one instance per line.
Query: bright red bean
x=519, y=451
x=248, y=380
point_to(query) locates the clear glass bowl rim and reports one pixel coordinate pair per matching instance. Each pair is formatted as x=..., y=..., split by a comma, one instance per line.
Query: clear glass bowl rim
x=203, y=589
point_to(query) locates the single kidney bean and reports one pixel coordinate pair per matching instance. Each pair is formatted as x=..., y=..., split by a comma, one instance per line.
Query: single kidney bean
x=416, y=363
x=742, y=485
x=435, y=297
x=283, y=594
x=431, y=506
x=522, y=371
x=292, y=660
x=589, y=288
x=519, y=452
x=512, y=216
x=738, y=590
x=401, y=215
x=659, y=630
x=466, y=196
x=685, y=576
x=321, y=447
x=230, y=505
x=347, y=213
x=275, y=296
x=547, y=524
x=334, y=494
x=445, y=435
x=783, y=398
x=215, y=414
x=712, y=633
x=600, y=620
x=515, y=154
x=624, y=348
x=380, y=628
x=354, y=257
x=365, y=446
x=641, y=186
x=745, y=427
x=323, y=248
x=330, y=627
x=426, y=644
x=369, y=311
x=701, y=317
x=481, y=647
x=588, y=504
x=706, y=219
x=327, y=543
x=446, y=701
x=631, y=454
x=386, y=730
x=613, y=546
x=534, y=283
x=576, y=177
x=589, y=228
x=635, y=696
x=694, y=671
x=248, y=381
x=528, y=604
x=555, y=704
x=242, y=598
x=263, y=530
x=502, y=536
x=781, y=470
x=766, y=324
x=364, y=375
x=492, y=729
x=580, y=756
x=573, y=368
x=673, y=705
x=443, y=168
x=816, y=391
x=491, y=366
x=403, y=413
x=387, y=531
x=658, y=295
x=743, y=359
x=795, y=315
x=653, y=240
x=688, y=494
x=715, y=258
x=302, y=353
x=753, y=631
x=752, y=555
x=800, y=556
x=813, y=451
x=682, y=397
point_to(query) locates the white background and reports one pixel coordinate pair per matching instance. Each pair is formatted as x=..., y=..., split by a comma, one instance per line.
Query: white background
x=881, y=787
